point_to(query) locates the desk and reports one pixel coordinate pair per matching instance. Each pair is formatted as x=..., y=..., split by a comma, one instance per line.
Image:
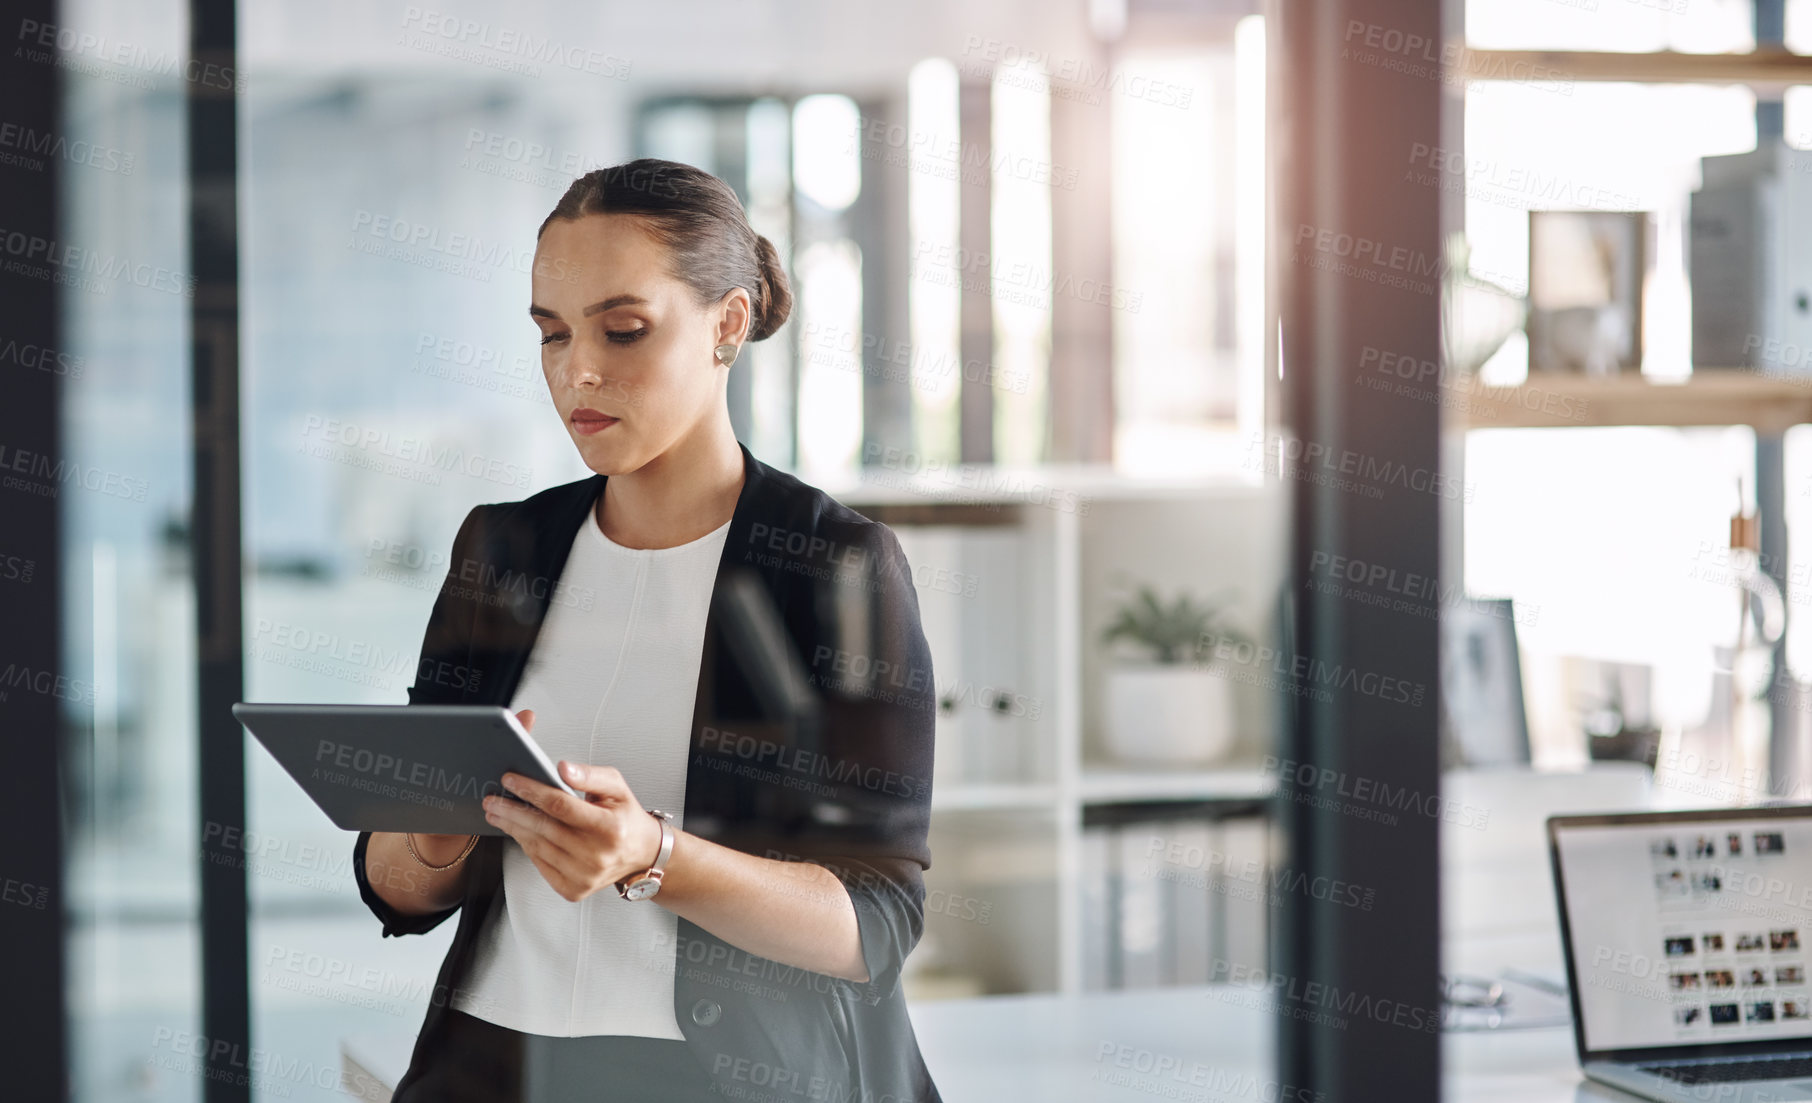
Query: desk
x=1058, y=1049
x=1053, y=1048
x=1499, y=912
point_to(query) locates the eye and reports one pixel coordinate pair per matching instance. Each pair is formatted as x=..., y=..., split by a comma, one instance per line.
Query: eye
x=625, y=336
x=549, y=337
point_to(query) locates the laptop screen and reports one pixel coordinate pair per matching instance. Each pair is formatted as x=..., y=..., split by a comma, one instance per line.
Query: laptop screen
x=1686, y=931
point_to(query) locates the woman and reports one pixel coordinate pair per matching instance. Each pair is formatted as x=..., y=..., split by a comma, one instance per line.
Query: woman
x=688, y=633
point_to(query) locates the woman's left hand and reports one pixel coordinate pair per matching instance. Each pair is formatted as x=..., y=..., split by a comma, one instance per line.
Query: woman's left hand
x=580, y=844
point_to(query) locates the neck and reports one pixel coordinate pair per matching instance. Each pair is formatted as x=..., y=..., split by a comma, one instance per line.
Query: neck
x=679, y=496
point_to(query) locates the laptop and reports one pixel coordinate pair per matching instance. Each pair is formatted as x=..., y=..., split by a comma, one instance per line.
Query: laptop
x=1686, y=937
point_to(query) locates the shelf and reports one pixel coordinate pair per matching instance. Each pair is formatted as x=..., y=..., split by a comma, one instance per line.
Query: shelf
x=1764, y=70
x=1113, y=785
x=1710, y=396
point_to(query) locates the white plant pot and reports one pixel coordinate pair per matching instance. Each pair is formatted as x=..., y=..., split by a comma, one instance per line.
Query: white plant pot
x=1168, y=715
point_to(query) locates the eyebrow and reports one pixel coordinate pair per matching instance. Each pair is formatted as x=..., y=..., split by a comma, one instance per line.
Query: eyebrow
x=595, y=308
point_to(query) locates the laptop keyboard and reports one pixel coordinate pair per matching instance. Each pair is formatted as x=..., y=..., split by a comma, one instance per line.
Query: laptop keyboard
x=1723, y=1072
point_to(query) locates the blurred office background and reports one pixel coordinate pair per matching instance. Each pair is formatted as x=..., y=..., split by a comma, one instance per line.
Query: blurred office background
x=393, y=167
x=393, y=170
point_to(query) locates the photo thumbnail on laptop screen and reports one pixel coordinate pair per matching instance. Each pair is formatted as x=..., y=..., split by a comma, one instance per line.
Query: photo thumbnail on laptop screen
x=1689, y=932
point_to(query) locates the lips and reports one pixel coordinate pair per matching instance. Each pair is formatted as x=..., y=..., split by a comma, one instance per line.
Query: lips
x=589, y=421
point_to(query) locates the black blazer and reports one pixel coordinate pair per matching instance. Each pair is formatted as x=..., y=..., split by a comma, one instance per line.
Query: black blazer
x=811, y=740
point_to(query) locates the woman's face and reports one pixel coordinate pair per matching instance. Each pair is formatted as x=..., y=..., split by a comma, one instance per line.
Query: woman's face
x=627, y=353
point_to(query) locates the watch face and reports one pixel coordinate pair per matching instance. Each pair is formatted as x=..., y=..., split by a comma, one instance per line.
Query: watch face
x=643, y=889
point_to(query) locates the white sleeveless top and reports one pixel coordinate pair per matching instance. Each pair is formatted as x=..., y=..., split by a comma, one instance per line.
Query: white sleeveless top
x=612, y=678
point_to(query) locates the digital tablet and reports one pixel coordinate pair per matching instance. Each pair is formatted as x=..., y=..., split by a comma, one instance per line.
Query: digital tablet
x=421, y=768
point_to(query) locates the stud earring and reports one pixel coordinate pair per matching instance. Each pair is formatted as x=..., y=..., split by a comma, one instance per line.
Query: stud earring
x=726, y=354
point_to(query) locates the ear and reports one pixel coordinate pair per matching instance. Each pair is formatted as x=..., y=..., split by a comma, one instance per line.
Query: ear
x=735, y=317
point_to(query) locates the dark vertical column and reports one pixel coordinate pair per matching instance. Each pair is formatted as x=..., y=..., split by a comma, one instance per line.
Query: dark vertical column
x=879, y=224
x=1786, y=765
x=1082, y=338
x=213, y=166
x=974, y=241
x=35, y=1044
x=1355, y=84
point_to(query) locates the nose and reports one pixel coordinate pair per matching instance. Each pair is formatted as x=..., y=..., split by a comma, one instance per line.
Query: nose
x=584, y=366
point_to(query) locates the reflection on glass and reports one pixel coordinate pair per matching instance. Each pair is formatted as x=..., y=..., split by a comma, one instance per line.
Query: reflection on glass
x=1177, y=206
x=1017, y=270
x=934, y=291
x=1683, y=25
x=391, y=380
x=770, y=202
x=830, y=387
x=129, y=626
x=827, y=165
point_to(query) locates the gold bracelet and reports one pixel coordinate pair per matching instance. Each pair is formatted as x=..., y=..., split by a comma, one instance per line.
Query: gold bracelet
x=409, y=842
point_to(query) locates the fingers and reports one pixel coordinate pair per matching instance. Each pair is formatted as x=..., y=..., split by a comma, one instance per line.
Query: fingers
x=569, y=861
x=553, y=813
x=604, y=783
x=545, y=797
x=527, y=717
x=576, y=841
x=532, y=827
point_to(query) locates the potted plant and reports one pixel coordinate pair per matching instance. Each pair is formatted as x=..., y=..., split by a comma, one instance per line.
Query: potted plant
x=1172, y=706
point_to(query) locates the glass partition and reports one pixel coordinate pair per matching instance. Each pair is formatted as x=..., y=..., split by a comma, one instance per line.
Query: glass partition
x=953, y=200
x=129, y=626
